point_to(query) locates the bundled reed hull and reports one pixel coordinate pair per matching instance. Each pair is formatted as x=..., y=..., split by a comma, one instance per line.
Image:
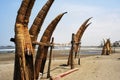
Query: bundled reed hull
x=23, y=66
x=79, y=35
x=36, y=26
x=42, y=50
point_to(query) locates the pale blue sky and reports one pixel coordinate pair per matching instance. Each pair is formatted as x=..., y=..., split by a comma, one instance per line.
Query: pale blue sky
x=105, y=21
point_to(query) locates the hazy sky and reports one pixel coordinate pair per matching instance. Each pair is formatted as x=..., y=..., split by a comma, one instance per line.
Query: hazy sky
x=105, y=21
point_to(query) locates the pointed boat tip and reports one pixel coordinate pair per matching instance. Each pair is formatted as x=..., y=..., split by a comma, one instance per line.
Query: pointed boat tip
x=51, y=0
x=88, y=24
x=65, y=12
x=90, y=17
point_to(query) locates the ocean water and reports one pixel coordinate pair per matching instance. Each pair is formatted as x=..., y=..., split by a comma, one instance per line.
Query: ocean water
x=65, y=50
x=7, y=50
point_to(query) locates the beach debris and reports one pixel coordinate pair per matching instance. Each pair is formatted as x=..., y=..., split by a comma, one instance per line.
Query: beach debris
x=106, y=48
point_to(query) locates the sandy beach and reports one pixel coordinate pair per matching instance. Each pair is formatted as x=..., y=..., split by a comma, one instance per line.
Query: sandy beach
x=97, y=67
